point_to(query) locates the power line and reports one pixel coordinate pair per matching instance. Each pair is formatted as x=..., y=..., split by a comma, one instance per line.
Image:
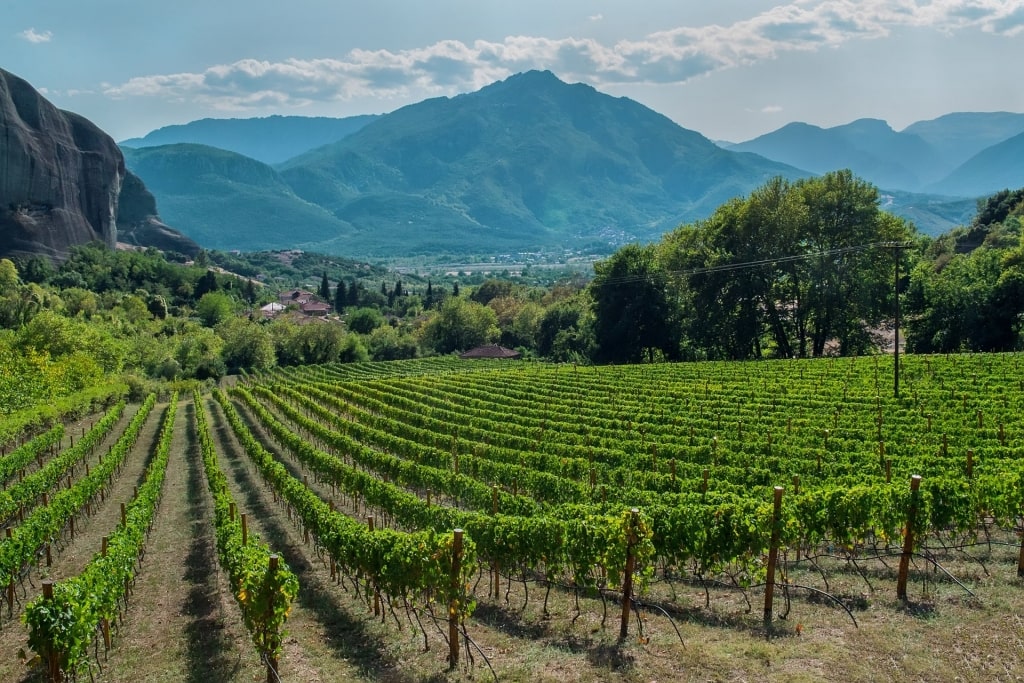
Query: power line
x=730, y=267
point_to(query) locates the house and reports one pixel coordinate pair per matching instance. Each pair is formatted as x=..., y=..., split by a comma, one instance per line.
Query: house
x=295, y=296
x=490, y=351
x=271, y=309
x=317, y=308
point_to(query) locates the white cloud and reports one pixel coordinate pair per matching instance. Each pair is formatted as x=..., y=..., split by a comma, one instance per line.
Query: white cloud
x=596, y=17
x=34, y=36
x=672, y=56
x=771, y=109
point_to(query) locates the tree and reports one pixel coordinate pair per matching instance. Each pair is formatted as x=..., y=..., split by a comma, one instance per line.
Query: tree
x=491, y=289
x=340, y=297
x=632, y=316
x=8, y=277
x=785, y=271
x=319, y=342
x=247, y=345
x=566, y=330
x=353, y=350
x=972, y=301
x=364, y=320
x=325, y=288
x=37, y=269
x=198, y=353
x=249, y=291
x=459, y=325
x=206, y=284
x=214, y=308
x=387, y=343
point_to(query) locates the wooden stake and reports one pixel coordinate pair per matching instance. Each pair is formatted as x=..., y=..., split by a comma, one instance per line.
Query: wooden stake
x=627, y=578
x=908, y=539
x=376, y=591
x=773, y=558
x=53, y=661
x=454, y=606
x=1020, y=558
x=245, y=529
x=272, y=676
x=124, y=515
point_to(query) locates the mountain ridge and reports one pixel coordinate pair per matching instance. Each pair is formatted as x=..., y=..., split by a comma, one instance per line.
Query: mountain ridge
x=270, y=139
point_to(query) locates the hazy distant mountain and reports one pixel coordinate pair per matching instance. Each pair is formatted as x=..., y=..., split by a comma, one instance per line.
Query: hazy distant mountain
x=868, y=147
x=531, y=163
x=931, y=214
x=272, y=139
x=995, y=168
x=522, y=163
x=958, y=137
x=228, y=201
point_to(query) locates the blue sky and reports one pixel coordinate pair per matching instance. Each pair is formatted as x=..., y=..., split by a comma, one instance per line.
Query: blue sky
x=730, y=69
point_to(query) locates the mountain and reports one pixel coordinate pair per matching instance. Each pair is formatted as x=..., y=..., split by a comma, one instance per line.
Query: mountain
x=868, y=147
x=228, y=201
x=958, y=137
x=63, y=181
x=523, y=163
x=271, y=139
x=931, y=214
x=995, y=168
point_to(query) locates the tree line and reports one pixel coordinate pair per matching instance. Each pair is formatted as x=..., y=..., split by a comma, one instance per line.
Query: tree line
x=795, y=269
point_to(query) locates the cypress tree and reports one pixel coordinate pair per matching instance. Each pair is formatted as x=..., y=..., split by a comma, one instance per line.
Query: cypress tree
x=340, y=297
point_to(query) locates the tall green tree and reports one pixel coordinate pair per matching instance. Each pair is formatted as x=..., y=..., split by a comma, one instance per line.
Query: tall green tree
x=633, y=318
x=340, y=297
x=459, y=325
x=325, y=288
x=786, y=271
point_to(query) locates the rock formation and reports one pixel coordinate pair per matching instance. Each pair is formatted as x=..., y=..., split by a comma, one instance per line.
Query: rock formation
x=61, y=178
x=138, y=223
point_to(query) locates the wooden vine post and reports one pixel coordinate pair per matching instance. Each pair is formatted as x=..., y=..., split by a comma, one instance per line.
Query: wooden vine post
x=908, y=539
x=376, y=591
x=1020, y=558
x=773, y=557
x=272, y=675
x=454, y=607
x=627, y=577
x=495, y=573
x=53, y=672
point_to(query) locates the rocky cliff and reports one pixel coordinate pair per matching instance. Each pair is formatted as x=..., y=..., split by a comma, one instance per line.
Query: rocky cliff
x=138, y=223
x=61, y=178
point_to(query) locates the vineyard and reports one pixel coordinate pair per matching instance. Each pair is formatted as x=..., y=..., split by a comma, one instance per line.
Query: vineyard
x=444, y=520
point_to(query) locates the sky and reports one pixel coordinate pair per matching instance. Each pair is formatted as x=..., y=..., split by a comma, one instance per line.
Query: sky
x=730, y=69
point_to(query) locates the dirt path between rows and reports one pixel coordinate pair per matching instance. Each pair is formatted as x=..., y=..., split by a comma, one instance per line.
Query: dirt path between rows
x=69, y=555
x=333, y=636
x=182, y=623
